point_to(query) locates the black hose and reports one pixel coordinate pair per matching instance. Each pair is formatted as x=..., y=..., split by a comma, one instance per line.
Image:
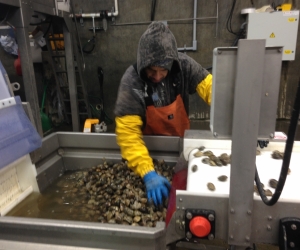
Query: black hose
x=286, y=157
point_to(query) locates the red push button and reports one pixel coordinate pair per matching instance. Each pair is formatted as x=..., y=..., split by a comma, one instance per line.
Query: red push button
x=200, y=226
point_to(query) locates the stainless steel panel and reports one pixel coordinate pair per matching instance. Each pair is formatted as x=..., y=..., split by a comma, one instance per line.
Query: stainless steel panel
x=248, y=86
x=81, y=234
x=108, y=141
x=49, y=172
x=187, y=200
x=265, y=219
x=224, y=72
x=50, y=144
x=270, y=92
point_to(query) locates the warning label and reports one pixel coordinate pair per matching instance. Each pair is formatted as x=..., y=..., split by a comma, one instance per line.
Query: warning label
x=272, y=35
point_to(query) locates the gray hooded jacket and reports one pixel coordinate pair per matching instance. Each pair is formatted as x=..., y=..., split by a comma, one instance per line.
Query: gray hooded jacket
x=157, y=44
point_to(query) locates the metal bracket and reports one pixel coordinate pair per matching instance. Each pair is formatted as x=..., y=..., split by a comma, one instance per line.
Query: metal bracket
x=289, y=233
x=113, y=19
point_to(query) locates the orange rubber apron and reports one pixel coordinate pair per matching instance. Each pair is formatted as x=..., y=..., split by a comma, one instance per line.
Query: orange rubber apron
x=170, y=120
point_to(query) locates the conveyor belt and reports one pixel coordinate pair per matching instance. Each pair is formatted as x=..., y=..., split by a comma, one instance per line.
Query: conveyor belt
x=268, y=168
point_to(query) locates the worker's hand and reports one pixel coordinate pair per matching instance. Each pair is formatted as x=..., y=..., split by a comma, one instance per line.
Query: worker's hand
x=157, y=187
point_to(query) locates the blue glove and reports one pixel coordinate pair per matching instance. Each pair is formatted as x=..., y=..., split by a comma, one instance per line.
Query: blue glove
x=157, y=186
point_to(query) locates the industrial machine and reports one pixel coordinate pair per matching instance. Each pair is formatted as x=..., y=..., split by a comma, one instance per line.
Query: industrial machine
x=202, y=209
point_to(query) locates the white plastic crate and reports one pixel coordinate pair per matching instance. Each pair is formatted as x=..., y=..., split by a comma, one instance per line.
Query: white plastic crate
x=17, y=181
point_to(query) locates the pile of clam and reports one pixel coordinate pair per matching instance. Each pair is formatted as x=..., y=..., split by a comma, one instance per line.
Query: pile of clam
x=117, y=195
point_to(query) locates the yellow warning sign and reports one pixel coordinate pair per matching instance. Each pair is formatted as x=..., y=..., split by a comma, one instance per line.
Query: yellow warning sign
x=288, y=52
x=272, y=35
x=291, y=19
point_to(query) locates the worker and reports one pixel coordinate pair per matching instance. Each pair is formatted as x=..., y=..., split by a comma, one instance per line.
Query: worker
x=153, y=100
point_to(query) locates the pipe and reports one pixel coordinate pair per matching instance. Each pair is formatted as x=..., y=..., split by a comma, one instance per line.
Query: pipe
x=194, y=48
x=116, y=10
x=93, y=15
x=168, y=21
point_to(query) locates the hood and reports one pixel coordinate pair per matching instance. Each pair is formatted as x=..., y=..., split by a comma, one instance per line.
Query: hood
x=157, y=44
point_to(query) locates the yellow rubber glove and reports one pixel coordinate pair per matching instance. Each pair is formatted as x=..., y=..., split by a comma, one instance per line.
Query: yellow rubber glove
x=204, y=89
x=133, y=148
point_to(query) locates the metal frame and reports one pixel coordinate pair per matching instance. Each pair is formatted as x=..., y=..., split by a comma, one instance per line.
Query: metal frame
x=62, y=151
x=68, y=234
x=246, y=113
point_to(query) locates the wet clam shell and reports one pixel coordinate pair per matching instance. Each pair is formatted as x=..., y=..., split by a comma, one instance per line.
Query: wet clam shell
x=277, y=155
x=205, y=160
x=273, y=183
x=268, y=192
x=222, y=178
x=198, y=154
x=211, y=186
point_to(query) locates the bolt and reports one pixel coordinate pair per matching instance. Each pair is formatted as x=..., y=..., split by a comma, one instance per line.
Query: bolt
x=211, y=217
x=267, y=94
x=270, y=217
x=231, y=237
x=194, y=168
x=249, y=212
x=247, y=238
x=279, y=50
x=210, y=236
x=232, y=211
x=269, y=228
x=189, y=235
x=271, y=135
x=294, y=227
x=180, y=199
x=60, y=151
x=178, y=208
x=292, y=244
x=215, y=134
x=189, y=215
x=183, y=208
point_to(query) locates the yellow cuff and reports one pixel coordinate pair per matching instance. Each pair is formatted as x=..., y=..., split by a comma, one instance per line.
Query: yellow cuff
x=204, y=89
